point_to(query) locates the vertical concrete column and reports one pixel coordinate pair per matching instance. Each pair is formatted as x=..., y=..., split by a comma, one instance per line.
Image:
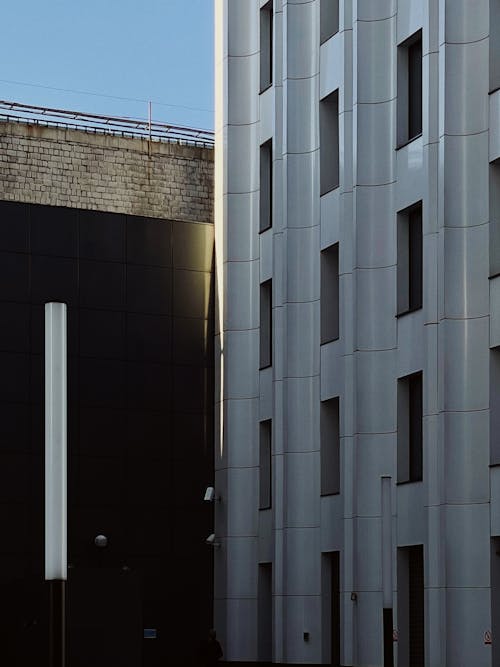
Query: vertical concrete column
x=347, y=267
x=280, y=336
x=301, y=544
x=237, y=338
x=464, y=326
x=433, y=418
x=374, y=108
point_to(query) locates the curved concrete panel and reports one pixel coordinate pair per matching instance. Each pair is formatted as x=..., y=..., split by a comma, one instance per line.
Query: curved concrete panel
x=375, y=143
x=302, y=173
x=466, y=272
x=466, y=20
x=376, y=56
x=376, y=307
x=302, y=28
x=466, y=110
x=466, y=180
x=467, y=456
x=466, y=373
x=303, y=283
x=302, y=115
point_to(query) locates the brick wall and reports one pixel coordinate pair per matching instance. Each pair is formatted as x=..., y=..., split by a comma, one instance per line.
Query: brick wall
x=79, y=169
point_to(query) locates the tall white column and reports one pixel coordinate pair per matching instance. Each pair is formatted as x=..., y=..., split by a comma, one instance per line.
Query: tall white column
x=237, y=334
x=464, y=327
x=301, y=497
x=55, y=442
x=56, y=502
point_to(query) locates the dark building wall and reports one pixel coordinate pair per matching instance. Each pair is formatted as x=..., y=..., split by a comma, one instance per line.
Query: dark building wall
x=140, y=388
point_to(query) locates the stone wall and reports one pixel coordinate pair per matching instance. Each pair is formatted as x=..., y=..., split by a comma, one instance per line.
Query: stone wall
x=75, y=168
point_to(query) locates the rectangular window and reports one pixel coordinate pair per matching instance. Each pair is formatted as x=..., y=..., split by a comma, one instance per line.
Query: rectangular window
x=329, y=19
x=266, y=46
x=387, y=621
x=495, y=597
x=265, y=476
x=410, y=258
x=411, y=610
x=495, y=218
x=410, y=89
x=410, y=445
x=495, y=406
x=265, y=613
x=266, y=186
x=330, y=446
x=494, y=45
x=266, y=324
x=329, y=142
x=330, y=303
x=330, y=612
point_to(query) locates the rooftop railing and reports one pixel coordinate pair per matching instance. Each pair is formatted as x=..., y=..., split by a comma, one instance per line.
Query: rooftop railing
x=97, y=124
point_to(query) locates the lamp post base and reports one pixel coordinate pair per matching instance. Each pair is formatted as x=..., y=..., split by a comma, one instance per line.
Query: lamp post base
x=57, y=623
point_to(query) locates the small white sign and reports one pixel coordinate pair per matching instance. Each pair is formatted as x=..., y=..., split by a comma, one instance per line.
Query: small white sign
x=487, y=637
x=395, y=636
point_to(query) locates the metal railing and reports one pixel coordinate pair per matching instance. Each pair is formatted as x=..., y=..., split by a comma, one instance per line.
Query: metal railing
x=97, y=124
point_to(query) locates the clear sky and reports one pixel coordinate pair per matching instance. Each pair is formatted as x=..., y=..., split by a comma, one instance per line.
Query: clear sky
x=159, y=50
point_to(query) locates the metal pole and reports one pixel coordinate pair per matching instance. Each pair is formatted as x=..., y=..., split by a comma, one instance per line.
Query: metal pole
x=56, y=476
x=150, y=118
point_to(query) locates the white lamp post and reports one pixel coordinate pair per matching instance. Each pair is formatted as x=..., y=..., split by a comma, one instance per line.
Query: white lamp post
x=56, y=502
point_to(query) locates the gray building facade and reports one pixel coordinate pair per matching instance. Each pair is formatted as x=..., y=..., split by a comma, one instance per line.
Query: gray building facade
x=357, y=208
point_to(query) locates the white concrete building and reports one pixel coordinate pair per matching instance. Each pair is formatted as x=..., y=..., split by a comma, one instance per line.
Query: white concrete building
x=358, y=268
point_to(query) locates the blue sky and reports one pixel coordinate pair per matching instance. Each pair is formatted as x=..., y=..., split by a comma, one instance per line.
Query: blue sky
x=159, y=50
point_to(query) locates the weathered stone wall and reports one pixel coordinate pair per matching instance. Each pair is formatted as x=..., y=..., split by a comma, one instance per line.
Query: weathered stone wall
x=79, y=169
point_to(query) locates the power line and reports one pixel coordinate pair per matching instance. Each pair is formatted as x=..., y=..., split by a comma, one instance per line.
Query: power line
x=111, y=97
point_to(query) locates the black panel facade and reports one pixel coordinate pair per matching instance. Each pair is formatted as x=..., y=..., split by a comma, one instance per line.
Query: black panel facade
x=140, y=444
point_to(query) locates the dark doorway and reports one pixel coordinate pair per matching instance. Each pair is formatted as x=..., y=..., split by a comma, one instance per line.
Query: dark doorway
x=388, y=645
x=331, y=607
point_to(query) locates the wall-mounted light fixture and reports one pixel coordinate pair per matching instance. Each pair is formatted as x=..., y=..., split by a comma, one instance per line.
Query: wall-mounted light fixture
x=210, y=495
x=211, y=541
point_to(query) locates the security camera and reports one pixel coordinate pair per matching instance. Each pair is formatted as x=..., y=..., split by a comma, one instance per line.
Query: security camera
x=211, y=541
x=209, y=494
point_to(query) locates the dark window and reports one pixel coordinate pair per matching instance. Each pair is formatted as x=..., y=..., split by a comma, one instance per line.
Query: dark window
x=330, y=293
x=415, y=89
x=410, y=251
x=266, y=327
x=265, y=615
x=494, y=218
x=495, y=597
x=410, y=89
x=494, y=45
x=329, y=19
x=411, y=612
x=265, y=476
x=388, y=639
x=266, y=186
x=266, y=45
x=330, y=447
x=495, y=406
x=410, y=464
x=330, y=600
x=329, y=142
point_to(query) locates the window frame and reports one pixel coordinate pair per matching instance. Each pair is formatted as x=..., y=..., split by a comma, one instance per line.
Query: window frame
x=410, y=259
x=410, y=80
x=266, y=47
x=266, y=180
